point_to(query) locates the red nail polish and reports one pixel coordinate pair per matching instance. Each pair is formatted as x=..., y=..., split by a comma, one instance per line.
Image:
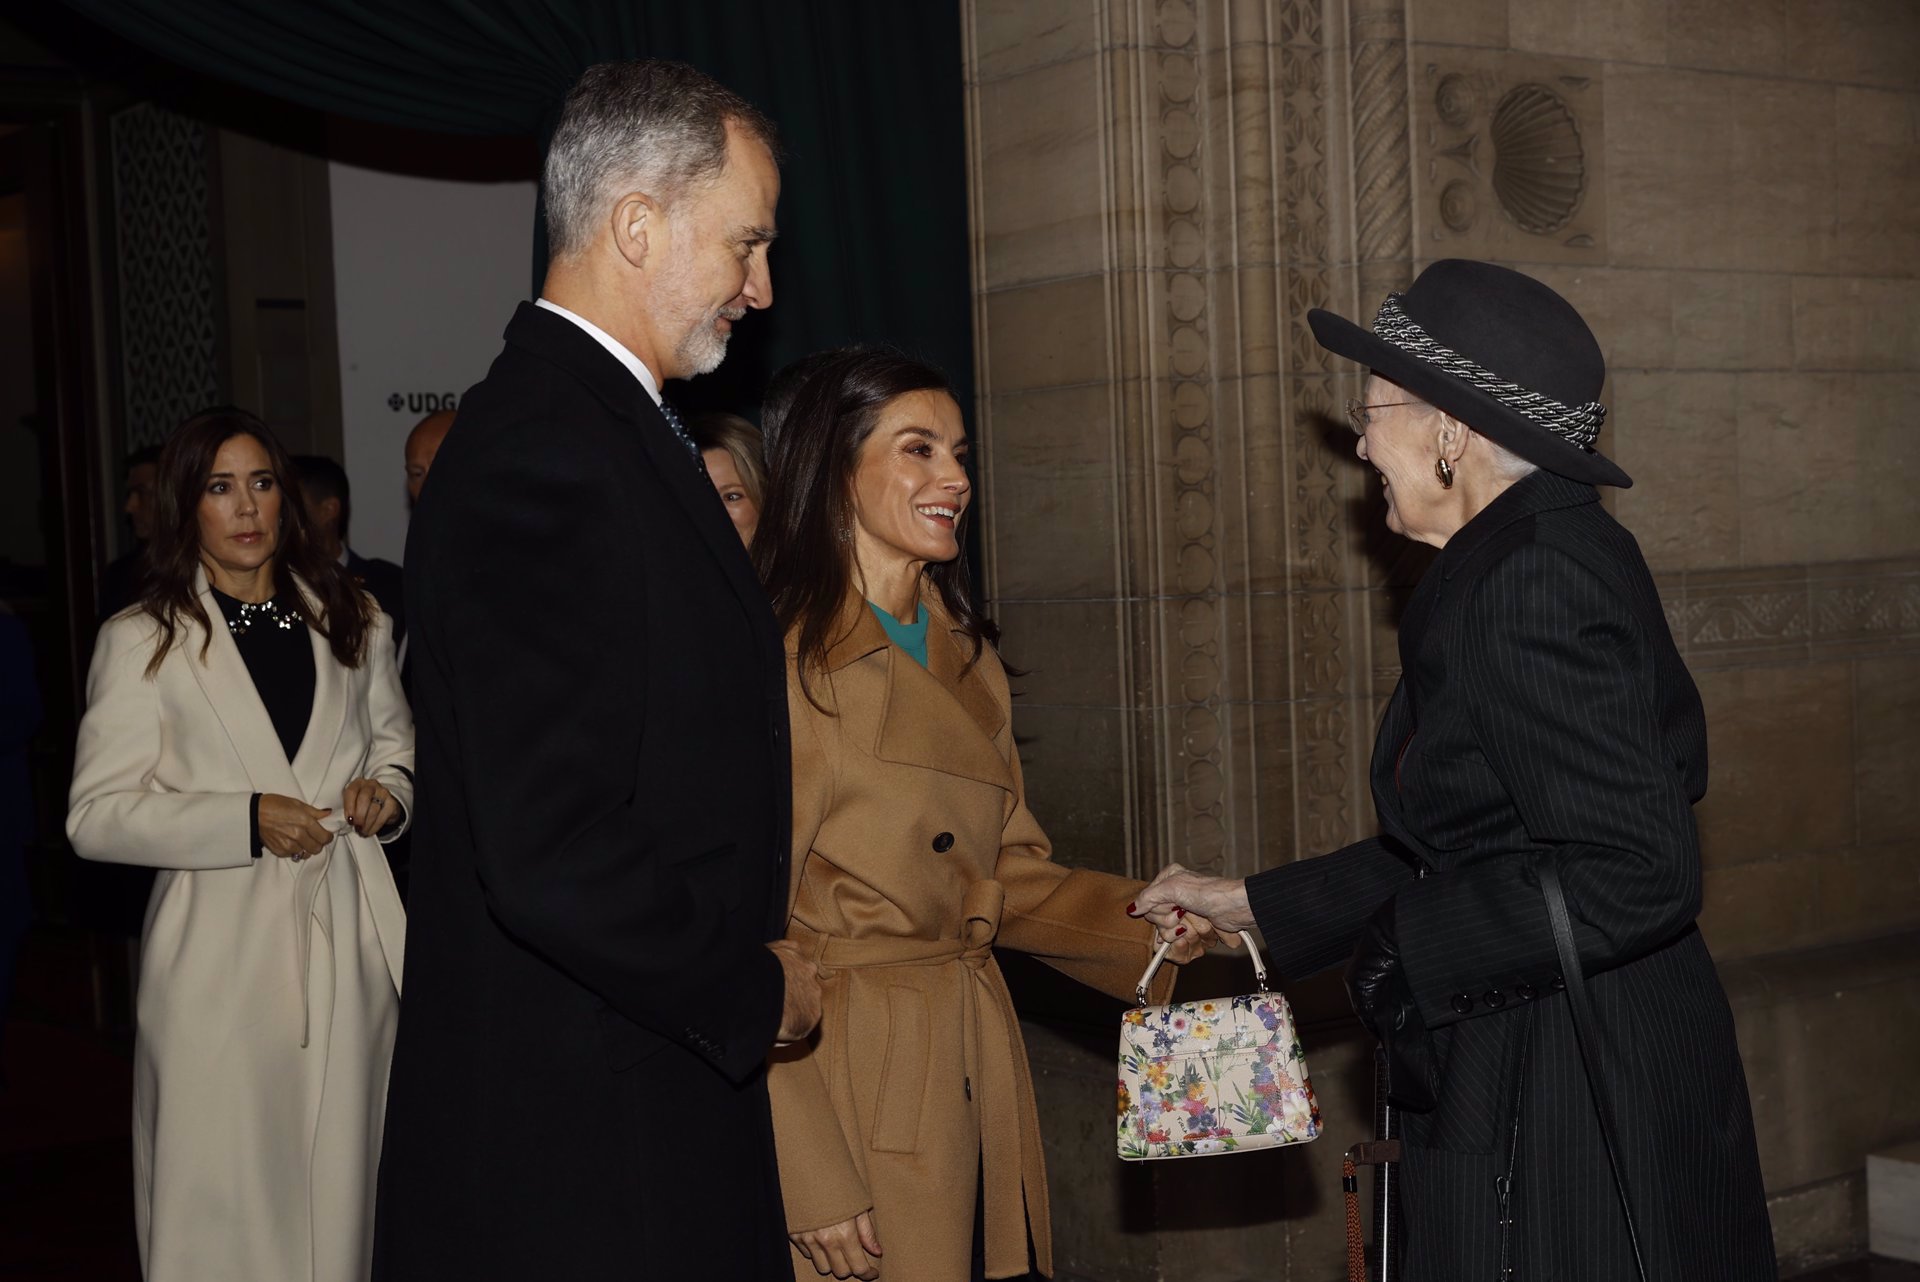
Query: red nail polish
x=1179, y=932
x=1129, y=910
x=1179, y=912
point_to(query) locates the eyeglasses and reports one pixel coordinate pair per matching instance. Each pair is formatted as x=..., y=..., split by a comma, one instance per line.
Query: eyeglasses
x=1357, y=412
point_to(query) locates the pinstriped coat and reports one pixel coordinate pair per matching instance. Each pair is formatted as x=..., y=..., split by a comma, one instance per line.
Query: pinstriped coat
x=1544, y=709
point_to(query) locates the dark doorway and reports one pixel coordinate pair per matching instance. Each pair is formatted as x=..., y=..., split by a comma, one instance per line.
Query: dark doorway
x=63, y=1086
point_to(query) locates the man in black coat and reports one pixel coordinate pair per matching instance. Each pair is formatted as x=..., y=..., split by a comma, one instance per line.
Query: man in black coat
x=600, y=853
x=1544, y=721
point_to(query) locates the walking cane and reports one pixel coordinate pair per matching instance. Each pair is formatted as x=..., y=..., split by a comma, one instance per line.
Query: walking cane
x=1381, y=1153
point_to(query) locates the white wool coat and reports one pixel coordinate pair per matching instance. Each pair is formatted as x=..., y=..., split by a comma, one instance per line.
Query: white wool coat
x=268, y=989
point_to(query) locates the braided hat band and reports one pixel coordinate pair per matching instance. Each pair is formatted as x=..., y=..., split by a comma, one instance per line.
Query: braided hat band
x=1575, y=424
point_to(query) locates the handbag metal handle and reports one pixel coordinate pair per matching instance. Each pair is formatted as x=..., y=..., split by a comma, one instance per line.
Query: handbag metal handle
x=1146, y=980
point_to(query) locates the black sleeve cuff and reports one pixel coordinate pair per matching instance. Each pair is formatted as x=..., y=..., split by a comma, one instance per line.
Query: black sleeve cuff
x=253, y=826
x=1311, y=911
x=398, y=821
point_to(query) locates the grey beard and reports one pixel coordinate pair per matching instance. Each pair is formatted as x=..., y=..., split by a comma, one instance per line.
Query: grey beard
x=702, y=350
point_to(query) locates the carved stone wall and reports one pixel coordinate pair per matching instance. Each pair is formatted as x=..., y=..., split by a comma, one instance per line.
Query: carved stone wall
x=1206, y=498
x=1166, y=487
x=1190, y=563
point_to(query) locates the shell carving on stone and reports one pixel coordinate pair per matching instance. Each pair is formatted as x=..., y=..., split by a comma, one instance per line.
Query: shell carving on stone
x=1539, y=165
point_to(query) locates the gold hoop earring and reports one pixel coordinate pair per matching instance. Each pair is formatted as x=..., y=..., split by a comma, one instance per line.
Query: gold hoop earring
x=1444, y=470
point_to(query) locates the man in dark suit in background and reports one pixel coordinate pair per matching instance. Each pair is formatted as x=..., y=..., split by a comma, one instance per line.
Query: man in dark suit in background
x=121, y=579
x=329, y=501
x=423, y=442
x=600, y=855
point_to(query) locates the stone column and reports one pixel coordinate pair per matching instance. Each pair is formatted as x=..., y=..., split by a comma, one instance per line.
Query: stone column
x=1165, y=474
x=1168, y=507
x=1382, y=168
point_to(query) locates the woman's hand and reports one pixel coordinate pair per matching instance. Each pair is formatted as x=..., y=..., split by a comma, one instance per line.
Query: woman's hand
x=291, y=829
x=1176, y=897
x=370, y=807
x=849, y=1249
x=1191, y=942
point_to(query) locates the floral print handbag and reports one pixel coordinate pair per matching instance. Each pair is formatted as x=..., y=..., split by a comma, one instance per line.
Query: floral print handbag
x=1216, y=1076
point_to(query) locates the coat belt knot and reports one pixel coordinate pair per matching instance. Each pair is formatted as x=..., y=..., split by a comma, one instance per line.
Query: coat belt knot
x=313, y=910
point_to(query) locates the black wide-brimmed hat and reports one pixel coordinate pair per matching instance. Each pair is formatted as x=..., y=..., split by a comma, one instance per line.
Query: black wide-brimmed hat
x=1497, y=350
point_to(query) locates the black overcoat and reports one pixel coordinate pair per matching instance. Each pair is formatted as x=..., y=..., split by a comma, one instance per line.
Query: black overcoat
x=600, y=849
x=1543, y=708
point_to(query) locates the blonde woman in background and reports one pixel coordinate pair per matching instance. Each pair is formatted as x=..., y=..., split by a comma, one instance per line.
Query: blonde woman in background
x=730, y=447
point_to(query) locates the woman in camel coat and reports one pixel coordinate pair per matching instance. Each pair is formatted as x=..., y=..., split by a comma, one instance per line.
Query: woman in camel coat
x=270, y=965
x=914, y=854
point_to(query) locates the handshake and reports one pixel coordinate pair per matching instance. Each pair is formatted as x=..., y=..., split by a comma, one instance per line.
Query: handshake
x=1215, y=909
x=1193, y=911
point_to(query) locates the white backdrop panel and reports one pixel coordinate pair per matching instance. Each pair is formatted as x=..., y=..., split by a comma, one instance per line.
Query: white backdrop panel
x=426, y=273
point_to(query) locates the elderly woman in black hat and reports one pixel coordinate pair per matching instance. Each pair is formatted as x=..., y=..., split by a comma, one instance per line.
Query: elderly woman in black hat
x=1521, y=934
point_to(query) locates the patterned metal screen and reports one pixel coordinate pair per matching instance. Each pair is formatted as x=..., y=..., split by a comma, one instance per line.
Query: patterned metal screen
x=168, y=309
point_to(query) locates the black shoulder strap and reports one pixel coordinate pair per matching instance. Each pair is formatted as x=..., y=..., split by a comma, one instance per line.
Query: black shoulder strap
x=1588, y=1039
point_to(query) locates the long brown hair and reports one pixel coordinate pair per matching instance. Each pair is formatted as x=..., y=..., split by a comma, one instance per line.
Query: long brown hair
x=173, y=554
x=800, y=551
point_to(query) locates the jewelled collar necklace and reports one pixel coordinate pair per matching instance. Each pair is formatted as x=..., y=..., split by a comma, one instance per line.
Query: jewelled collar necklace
x=262, y=612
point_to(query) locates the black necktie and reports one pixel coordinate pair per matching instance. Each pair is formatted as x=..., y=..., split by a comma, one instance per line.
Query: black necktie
x=680, y=430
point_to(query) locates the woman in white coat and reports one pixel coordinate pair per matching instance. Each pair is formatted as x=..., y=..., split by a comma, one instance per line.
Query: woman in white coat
x=246, y=734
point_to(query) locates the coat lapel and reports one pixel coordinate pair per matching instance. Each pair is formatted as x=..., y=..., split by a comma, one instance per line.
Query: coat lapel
x=554, y=338
x=1531, y=495
x=695, y=493
x=947, y=658
x=1397, y=729
x=1538, y=492
x=228, y=686
x=1413, y=624
x=918, y=725
x=329, y=716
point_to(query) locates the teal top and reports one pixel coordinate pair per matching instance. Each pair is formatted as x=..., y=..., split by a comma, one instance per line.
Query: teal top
x=911, y=637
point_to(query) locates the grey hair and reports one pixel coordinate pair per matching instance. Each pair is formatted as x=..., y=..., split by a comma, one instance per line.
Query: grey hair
x=1506, y=465
x=641, y=125
x=1503, y=462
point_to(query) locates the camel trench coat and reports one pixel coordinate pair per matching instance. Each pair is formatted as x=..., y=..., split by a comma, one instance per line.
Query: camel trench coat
x=914, y=855
x=269, y=989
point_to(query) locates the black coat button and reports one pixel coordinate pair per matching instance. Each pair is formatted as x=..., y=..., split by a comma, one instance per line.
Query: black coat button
x=943, y=842
x=1494, y=998
x=1462, y=1003
x=1559, y=984
x=1527, y=992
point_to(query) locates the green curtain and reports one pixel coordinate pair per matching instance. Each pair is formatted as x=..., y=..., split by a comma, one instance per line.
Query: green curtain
x=868, y=95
